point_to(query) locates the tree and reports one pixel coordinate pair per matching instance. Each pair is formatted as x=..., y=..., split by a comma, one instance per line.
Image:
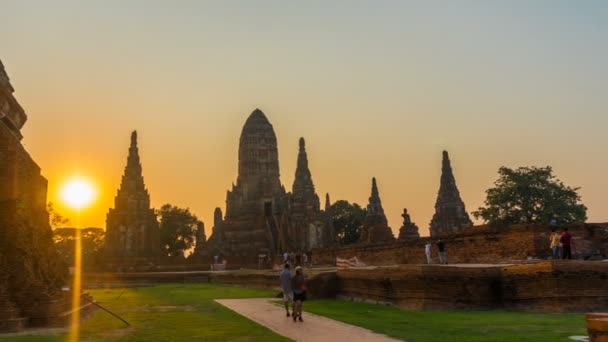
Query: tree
x=348, y=220
x=177, y=229
x=56, y=220
x=531, y=195
x=92, y=245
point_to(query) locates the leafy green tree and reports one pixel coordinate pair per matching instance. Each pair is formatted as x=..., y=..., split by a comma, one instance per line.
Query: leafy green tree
x=531, y=195
x=177, y=229
x=92, y=245
x=348, y=220
x=56, y=220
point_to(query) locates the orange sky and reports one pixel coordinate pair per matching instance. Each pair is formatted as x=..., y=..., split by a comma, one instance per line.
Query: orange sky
x=375, y=90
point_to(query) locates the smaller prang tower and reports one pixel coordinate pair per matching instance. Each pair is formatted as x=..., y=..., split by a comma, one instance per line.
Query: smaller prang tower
x=450, y=214
x=132, y=231
x=375, y=225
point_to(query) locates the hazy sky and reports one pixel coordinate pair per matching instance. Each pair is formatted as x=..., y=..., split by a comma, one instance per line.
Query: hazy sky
x=377, y=88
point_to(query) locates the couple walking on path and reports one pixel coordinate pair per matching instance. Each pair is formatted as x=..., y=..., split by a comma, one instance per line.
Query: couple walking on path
x=294, y=291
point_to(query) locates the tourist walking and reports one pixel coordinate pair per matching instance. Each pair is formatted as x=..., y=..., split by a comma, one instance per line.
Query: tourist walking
x=566, y=240
x=285, y=257
x=304, y=259
x=285, y=279
x=554, y=239
x=443, y=255
x=298, y=284
x=427, y=252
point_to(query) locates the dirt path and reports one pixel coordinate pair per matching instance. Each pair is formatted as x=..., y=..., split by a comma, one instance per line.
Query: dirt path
x=314, y=328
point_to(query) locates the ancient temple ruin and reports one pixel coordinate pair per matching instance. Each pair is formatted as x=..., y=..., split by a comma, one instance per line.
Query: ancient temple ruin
x=201, y=240
x=132, y=231
x=409, y=230
x=450, y=214
x=262, y=218
x=308, y=224
x=331, y=239
x=375, y=225
x=31, y=272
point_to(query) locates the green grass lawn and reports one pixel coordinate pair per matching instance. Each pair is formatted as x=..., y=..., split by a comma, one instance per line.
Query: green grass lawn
x=188, y=313
x=453, y=325
x=168, y=313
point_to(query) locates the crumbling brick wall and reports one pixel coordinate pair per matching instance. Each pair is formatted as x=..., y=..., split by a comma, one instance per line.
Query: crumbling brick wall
x=555, y=286
x=480, y=244
x=31, y=270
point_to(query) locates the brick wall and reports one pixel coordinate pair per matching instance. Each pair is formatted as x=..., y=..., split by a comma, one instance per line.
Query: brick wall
x=566, y=286
x=32, y=273
x=480, y=244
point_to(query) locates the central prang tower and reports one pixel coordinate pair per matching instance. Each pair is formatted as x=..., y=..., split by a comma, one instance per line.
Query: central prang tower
x=257, y=204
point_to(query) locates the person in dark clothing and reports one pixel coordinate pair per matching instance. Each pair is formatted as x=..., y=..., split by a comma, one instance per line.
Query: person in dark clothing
x=443, y=255
x=566, y=241
x=298, y=284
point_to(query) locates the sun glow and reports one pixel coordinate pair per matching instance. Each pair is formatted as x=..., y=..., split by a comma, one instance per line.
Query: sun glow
x=78, y=193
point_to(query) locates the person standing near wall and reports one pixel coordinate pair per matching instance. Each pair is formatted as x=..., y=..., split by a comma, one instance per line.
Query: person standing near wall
x=427, y=252
x=443, y=255
x=554, y=240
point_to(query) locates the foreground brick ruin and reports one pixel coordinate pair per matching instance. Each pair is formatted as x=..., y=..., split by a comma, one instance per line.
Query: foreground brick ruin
x=553, y=286
x=31, y=272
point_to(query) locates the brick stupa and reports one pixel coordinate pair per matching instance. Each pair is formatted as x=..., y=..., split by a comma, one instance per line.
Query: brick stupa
x=307, y=220
x=450, y=214
x=375, y=225
x=132, y=231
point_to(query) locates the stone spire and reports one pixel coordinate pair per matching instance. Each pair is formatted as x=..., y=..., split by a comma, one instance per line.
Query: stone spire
x=306, y=216
x=409, y=230
x=133, y=179
x=132, y=232
x=258, y=152
x=375, y=226
x=329, y=222
x=303, y=187
x=201, y=239
x=450, y=214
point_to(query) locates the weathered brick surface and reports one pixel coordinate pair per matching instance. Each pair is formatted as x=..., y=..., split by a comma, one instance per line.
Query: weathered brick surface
x=31, y=271
x=571, y=286
x=480, y=244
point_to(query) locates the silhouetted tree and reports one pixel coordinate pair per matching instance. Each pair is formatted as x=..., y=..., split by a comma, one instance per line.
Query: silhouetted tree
x=531, y=195
x=348, y=220
x=55, y=219
x=177, y=229
x=92, y=245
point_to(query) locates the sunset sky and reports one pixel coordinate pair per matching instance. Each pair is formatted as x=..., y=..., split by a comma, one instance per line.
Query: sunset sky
x=377, y=88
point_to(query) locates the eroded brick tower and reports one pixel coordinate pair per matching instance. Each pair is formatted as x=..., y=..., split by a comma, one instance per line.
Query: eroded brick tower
x=256, y=206
x=132, y=231
x=375, y=225
x=308, y=223
x=450, y=213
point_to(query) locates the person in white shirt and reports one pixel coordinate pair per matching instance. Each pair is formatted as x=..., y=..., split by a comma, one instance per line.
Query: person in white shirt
x=427, y=251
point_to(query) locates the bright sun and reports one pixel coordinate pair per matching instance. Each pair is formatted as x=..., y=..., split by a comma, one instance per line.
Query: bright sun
x=78, y=193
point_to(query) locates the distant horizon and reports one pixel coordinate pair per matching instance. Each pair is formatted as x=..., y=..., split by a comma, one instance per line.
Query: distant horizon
x=377, y=89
